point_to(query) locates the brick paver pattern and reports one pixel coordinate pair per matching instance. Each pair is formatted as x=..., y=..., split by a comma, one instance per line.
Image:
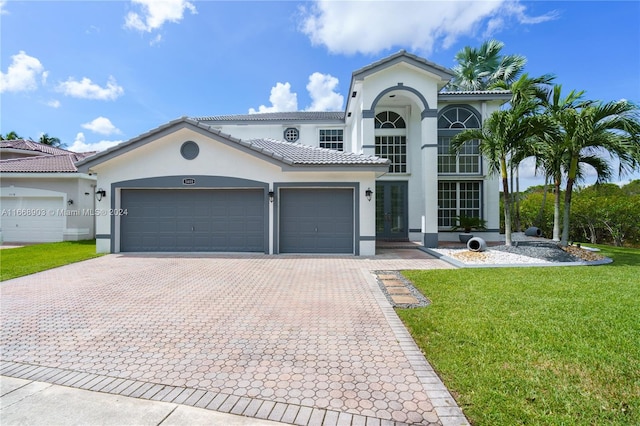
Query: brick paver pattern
x=296, y=330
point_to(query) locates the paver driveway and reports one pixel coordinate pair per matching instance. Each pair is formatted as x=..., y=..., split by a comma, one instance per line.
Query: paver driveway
x=298, y=339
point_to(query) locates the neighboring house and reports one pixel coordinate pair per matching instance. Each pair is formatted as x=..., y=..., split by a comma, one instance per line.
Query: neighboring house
x=43, y=197
x=306, y=182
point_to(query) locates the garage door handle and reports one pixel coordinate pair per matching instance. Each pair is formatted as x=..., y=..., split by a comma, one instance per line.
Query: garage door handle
x=316, y=229
x=193, y=228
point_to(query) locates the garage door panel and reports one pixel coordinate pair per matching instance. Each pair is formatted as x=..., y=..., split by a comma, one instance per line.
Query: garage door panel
x=193, y=220
x=316, y=220
x=32, y=228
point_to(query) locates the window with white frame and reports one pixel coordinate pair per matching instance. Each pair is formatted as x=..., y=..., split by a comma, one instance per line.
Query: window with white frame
x=451, y=121
x=458, y=199
x=331, y=139
x=391, y=140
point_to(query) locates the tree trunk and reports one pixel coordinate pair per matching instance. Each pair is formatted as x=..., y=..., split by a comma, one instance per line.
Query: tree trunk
x=518, y=223
x=567, y=212
x=507, y=204
x=544, y=202
x=593, y=237
x=556, y=211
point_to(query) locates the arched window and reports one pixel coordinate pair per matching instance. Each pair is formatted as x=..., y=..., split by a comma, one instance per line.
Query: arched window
x=458, y=197
x=458, y=118
x=451, y=121
x=389, y=120
x=391, y=140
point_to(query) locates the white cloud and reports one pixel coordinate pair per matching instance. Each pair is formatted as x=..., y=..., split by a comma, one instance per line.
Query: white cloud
x=156, y=12
x=54, y=103
x=86, y=89
x=101, y=125
x=22, y=74
x=3, y=11
x=282, y=100
x=321, y=89
x=349, y=27
x=80, y=144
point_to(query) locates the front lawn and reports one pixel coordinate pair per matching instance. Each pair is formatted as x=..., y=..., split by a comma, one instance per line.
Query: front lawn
x=547, y=346
x=17, y=262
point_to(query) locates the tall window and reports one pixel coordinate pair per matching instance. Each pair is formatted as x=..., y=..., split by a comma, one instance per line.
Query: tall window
x=453, y=120
x=391, y=140
x=456, y=199
x=331, y=139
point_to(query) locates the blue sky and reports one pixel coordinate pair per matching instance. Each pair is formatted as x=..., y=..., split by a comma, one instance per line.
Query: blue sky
x=97, y=73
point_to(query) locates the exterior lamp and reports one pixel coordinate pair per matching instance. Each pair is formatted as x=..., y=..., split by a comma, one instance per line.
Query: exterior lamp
x=100, y=193
x=271, y=195
x=368, y=193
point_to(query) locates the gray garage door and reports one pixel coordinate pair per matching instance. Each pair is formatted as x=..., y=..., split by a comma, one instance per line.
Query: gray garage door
x=316, y=220
x=193, y=220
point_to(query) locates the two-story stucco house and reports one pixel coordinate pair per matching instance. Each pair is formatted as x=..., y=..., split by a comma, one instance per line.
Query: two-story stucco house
x=305, y=182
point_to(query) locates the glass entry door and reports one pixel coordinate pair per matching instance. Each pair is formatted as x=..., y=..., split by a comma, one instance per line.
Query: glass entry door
x=391, y=210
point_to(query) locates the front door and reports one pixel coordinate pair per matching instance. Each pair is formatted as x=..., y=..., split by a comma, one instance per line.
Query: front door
x=391, y=210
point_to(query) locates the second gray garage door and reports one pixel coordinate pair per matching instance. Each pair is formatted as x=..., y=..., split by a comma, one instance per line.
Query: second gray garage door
x=193, y=220
x=316, y=220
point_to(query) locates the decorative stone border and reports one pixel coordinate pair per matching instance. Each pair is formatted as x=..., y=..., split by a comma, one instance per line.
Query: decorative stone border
x=399, y=291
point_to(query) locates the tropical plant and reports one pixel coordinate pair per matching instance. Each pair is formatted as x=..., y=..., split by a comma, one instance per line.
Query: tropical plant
x=50, y=140
x=595, y=130
x=550, y=153
x=500, y=136
x=479, y=69
x=468, y=223
x=11, y=136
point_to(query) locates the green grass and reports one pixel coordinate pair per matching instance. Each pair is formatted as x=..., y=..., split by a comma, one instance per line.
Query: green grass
x=17, y=262
x=546, y=346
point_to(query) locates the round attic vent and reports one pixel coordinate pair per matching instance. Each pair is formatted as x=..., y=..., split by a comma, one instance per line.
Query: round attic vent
x=189, y=150
x=291, y=134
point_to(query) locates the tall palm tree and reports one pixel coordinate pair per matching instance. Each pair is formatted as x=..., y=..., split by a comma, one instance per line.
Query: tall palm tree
x=478, y=69
x=611, y=128
x=499, y=139
x=550, y=155
x=49, y=140
x=533, y=92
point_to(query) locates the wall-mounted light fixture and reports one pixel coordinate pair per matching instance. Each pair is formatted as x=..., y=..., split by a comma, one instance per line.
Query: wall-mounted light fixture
x=100, y=194
x=368, y=193
x=70, y=202
x=271, y=195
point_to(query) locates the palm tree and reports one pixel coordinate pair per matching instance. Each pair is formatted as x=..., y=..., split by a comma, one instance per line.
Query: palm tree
x=533, y=91
x=499, y=139
x=550, y=156
x=49, y=140
x=611, y=128
x=479, y=69
x=11, y=136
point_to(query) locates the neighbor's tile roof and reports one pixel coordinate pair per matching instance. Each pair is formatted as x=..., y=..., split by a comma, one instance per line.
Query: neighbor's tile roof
x=40, y=164
x=27, y=145
x=298, y=154
x=48, y=159
x=277, y=116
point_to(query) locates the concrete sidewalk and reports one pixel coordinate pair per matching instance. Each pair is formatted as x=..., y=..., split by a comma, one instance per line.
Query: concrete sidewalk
x=26, y=402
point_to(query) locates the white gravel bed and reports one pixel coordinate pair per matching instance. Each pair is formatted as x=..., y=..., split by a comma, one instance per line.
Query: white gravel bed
x=489, y=257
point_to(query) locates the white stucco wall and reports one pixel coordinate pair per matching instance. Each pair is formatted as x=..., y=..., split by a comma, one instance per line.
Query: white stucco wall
x=162, y=157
